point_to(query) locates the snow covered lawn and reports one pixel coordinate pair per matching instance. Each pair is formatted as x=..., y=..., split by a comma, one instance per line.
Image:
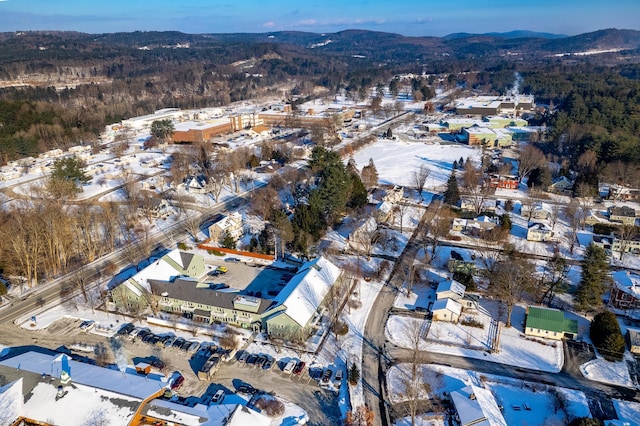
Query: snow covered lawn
x=420, y=296
x=395, y=160
x=628, y=411
x=456, y=339
x=601, y=370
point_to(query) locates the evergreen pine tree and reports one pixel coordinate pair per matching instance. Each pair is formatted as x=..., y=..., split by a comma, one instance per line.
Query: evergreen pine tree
x=594, y=274
x=461, y=163
x=354, y=374
x=452, y=193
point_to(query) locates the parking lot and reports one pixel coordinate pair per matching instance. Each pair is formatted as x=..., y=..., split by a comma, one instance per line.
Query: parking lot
x=251, y=279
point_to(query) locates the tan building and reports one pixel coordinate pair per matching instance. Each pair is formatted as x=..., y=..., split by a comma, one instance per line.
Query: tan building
x=446, y=310
x=623, y=214
x=191, y=131
x=231, y=225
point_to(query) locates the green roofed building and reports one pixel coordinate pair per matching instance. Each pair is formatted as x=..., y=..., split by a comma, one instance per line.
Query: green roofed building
x=549, y=323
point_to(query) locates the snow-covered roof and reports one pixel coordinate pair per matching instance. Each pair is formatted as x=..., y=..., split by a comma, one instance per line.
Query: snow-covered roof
x=123, y=383
x=229, y=221
x=11, y=402
x=453, y=286
x=165, y=268
x=627, y=282
x=539, y=226
x=307, y=289
x=447, y=304
x=477, y=406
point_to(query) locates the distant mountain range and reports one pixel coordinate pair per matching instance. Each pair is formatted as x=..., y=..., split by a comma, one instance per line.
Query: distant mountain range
x=350, y=45
x=510, y=34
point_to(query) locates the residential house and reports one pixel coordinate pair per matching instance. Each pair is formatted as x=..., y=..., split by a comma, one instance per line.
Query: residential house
x=457, y=263
x=157, y=208
x=628, y=245
x=476, y=406
x=197, y=184
x=297, y=305
x=135, y=292
x=468, y=205
x=625, y=292
x=363, y=236
x=541, y=211
x=394, y=194
x=198, y=301
x=633, y=340
x=622, y=214
x=384, y=212
x=458, y=225
x=227, y=225
x=446, y=310
x=549, y=323
x=479, y=226
x=539, y=232
x=451, y=289
x=561, y=185
x=503, y=181
x=596, y=217
x=603, y=241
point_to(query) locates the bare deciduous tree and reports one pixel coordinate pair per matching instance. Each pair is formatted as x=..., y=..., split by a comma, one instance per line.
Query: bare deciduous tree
x=419, y=178
x=511, y=279
x=530, y=158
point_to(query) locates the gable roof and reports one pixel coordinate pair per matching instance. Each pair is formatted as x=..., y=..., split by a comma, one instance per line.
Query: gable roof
x=477, y=406
x=229, y=221
x=627, y=282
x=550, y=320
x=448, y=304
x=453, y=286
x=171, y=265
x=304, y=293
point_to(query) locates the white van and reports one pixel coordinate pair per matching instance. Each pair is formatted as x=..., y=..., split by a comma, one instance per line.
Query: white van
x=290, y=366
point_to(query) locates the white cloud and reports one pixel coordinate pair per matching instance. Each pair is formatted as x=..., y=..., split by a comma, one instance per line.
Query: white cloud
x=269, y=24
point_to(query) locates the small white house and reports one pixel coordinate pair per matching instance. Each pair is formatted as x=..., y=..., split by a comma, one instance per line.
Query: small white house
x=539, y=232
x=446, y=310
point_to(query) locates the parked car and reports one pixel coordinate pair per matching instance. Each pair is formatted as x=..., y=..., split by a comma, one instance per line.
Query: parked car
x=193, y=346
x=147, y=337
x=126, y=329
x=288, y=368
x=154, y=339
x=260, y=361
x=326, y=375
x=157, y=364
x=133, y=333
x=177, y=381
x=338, y=377
x=178, y=342
x=299, y=368
x=247, y=388
x=185, y=345
x=252, y=359
x=242, y=356
x=87, y=325
x=222, y=269
x=218, y=397
x=168, y=342
x=232, y=259
x=268, y=364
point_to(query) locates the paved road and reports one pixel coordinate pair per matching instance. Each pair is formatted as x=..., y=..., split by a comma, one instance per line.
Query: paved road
x=373, y=371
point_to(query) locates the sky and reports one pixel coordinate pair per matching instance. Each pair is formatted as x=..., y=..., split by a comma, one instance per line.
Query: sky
x=407, y=17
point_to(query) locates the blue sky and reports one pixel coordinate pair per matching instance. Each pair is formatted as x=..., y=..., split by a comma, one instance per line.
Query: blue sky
x=408, y=17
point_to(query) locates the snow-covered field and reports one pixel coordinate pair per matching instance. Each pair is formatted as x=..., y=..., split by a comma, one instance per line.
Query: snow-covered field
x=396, y=160
x=601, y=370
x=628, y=411
x=456, y=339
